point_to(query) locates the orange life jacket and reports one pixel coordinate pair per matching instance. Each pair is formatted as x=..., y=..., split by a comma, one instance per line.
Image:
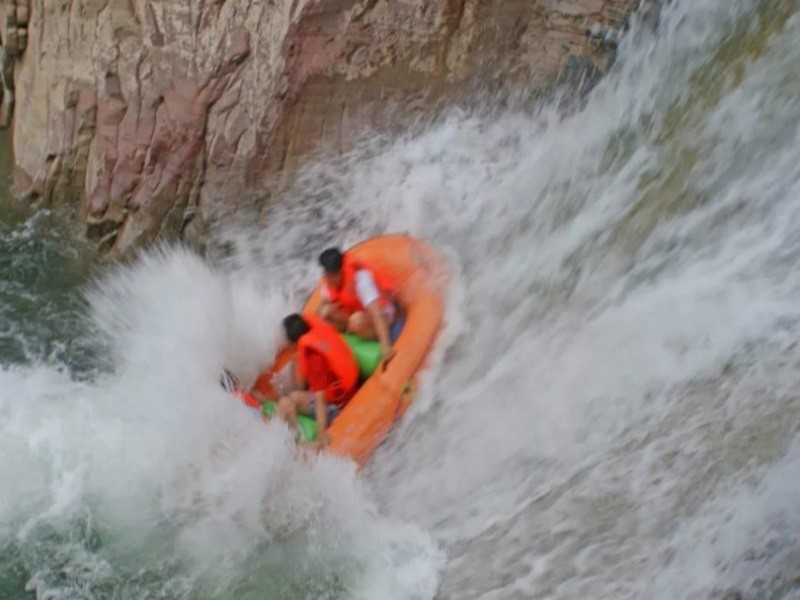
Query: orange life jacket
x=326, y=341
x=347, y=296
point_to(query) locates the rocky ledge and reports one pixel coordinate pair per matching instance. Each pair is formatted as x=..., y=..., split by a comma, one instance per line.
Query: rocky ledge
x=153, y=116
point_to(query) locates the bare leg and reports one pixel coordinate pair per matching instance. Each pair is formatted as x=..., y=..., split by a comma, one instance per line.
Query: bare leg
x=334, y=314
x=290, y=405
x=361, y=325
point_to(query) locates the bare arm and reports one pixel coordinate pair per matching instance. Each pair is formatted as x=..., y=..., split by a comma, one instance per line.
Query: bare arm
x=333, y=314
x=381, y=329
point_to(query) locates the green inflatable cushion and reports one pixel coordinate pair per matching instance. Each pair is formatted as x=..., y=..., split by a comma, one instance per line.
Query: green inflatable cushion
x=306, y=426
x=366, y=353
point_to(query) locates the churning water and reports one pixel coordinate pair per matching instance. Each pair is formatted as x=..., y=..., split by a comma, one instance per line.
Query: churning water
x=614, y=409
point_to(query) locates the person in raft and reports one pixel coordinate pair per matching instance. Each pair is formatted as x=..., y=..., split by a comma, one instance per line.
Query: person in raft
x=326, y=371
x=357, y=298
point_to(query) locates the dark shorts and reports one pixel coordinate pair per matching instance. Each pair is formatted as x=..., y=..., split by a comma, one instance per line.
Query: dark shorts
x=396, y=327
x=333, y=410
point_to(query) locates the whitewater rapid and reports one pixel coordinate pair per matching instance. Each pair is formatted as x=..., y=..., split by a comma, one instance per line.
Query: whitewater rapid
x=613, y=407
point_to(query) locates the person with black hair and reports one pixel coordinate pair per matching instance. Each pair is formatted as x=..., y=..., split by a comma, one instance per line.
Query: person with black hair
x=326, y=370
x=358, y=298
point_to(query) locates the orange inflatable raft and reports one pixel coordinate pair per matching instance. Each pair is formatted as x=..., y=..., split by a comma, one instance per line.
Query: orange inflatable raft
x=419, y=276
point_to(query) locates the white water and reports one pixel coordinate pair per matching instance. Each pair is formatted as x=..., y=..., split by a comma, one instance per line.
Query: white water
x=613, y=414
x=172, y=470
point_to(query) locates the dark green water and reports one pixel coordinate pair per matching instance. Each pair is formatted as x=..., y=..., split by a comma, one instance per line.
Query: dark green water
x=44, y=265
x=616, y=414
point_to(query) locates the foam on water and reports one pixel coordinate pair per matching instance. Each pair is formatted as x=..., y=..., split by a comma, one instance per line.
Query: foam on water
x=175, y=476
x=612, y=412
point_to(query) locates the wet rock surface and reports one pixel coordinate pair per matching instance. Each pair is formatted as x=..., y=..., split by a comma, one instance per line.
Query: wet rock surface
x=153, y=117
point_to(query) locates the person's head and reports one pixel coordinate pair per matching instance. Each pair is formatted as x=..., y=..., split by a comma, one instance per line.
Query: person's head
x=295, y=327
x=332, y=261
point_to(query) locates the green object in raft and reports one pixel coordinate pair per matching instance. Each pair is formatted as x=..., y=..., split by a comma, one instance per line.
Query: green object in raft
x=306, y=426
x=368, y=357
x=366, y=353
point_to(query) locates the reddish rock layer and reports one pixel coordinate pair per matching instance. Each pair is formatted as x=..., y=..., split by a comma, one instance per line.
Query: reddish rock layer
x=152, y=116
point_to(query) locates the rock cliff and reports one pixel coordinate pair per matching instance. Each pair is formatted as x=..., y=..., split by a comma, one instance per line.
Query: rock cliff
x=152, y=116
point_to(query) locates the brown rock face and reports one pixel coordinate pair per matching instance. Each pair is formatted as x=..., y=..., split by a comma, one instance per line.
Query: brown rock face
x=154, y=115
x=14, y=18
